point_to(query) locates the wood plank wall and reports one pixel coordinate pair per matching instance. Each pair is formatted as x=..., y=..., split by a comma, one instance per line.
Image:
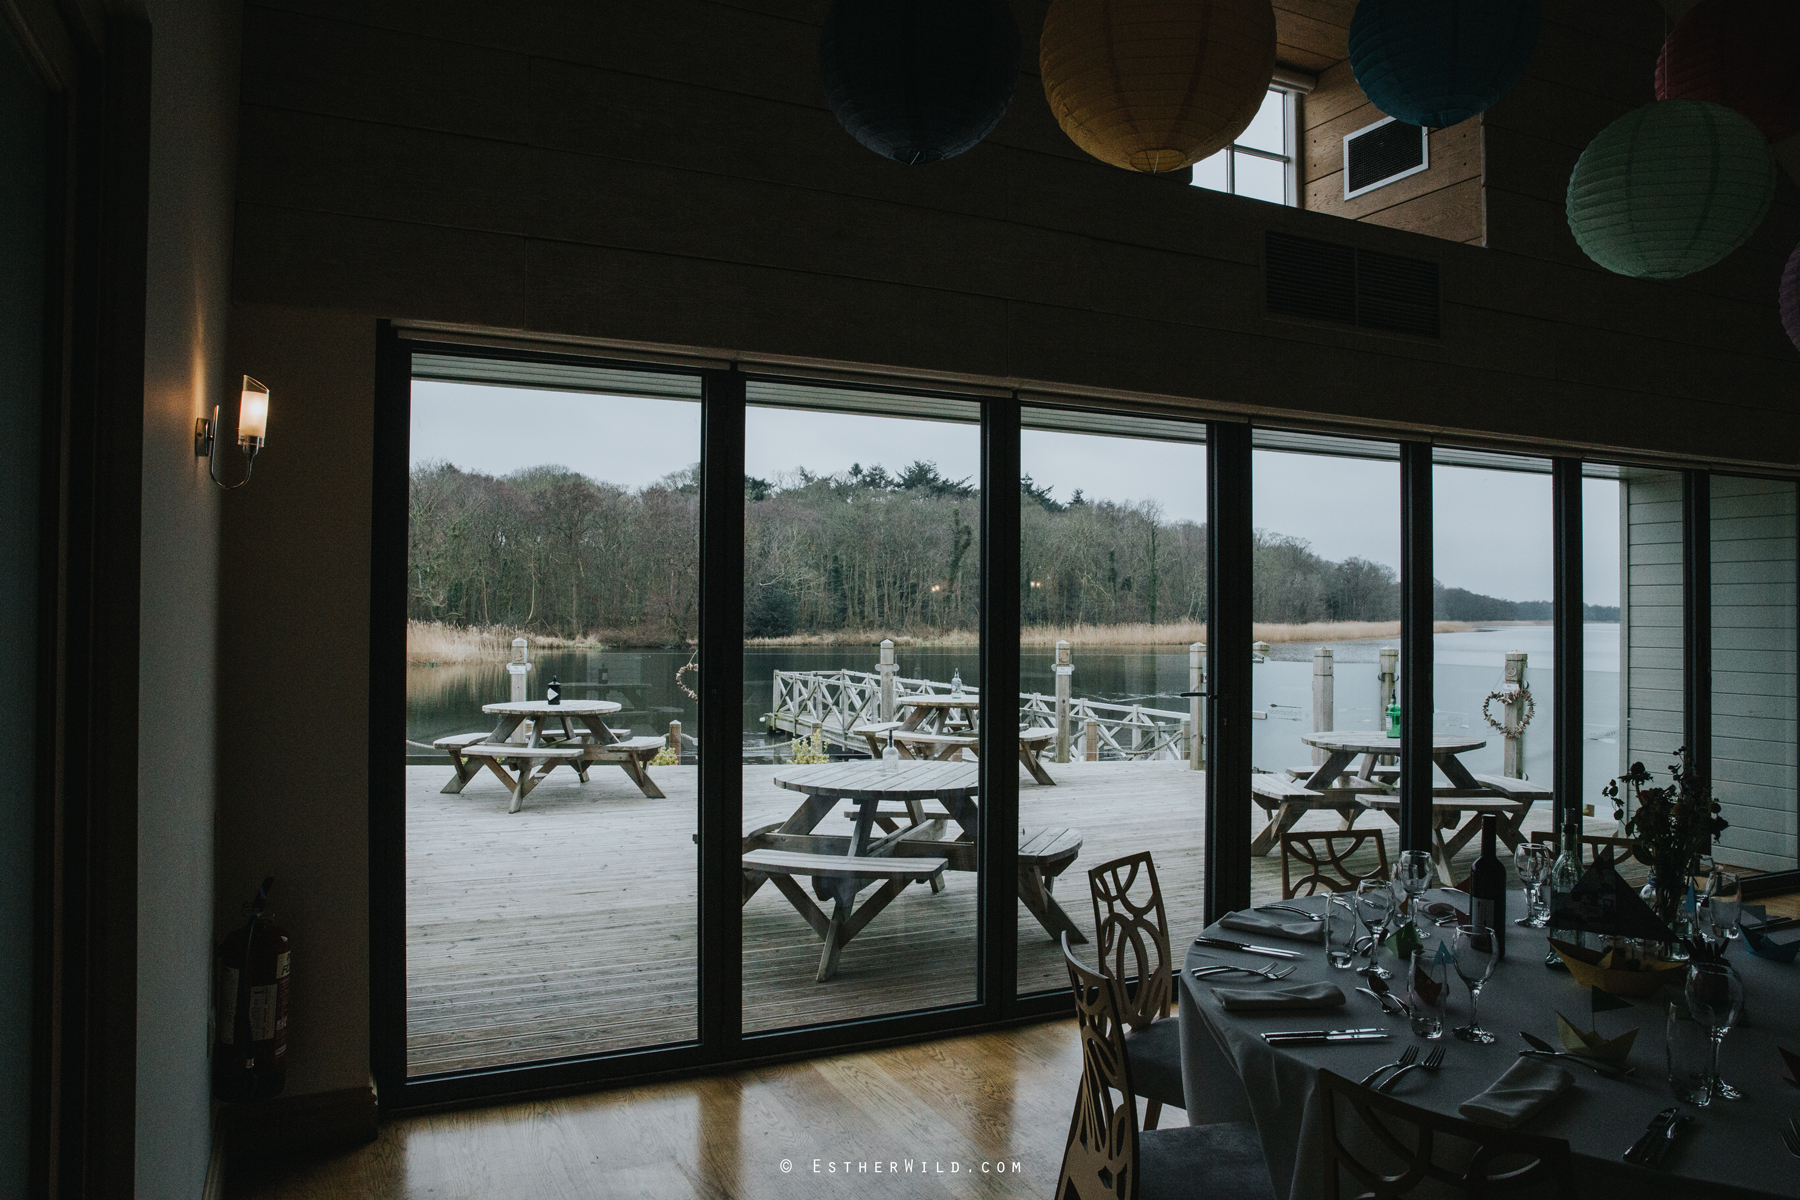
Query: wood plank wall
x=1442, y=201
x=1753, y=664
x=669, y=173
x=1650, y=668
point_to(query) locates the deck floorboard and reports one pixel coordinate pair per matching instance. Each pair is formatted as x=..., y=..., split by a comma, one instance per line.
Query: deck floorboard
x=570, y=927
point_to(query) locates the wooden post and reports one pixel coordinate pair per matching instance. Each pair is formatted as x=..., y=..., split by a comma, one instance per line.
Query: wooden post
x=1512, y=763
x=1196, y=714
x=1187, y=738
x=1065, y=667
x=675, y=739
x=1090, y=740
x=1324, y=697
x=1390, y=659
x=887, y=679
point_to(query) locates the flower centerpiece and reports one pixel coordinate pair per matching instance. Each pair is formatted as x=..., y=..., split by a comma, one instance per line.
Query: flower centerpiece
x=1670, y=827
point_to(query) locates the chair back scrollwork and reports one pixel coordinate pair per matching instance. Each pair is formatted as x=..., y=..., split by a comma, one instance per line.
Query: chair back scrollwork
x=1419, y=1145
x=1100, y=1158
x=1134, y=937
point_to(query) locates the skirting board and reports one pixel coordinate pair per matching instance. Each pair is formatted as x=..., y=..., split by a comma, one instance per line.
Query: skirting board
x=317, y=1121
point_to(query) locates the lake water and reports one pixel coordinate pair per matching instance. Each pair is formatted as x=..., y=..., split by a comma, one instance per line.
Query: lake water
x=448, y=699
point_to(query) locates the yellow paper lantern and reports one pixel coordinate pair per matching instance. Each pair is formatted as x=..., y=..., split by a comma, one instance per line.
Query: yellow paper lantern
x=1156, y=85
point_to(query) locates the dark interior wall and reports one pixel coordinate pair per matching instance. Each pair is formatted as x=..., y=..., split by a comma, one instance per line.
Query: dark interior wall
x=24, y=181
x=669, y=173
x=193, y=119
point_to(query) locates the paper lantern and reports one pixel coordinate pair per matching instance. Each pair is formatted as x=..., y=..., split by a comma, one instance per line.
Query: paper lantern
x=1437, y=62
x=1156, y=85
x=1790, y=298
x=1670, y=189
x=919, y=80
x=1744, y=54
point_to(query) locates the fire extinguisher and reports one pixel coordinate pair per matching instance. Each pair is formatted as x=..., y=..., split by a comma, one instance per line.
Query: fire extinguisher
x=250, y=1059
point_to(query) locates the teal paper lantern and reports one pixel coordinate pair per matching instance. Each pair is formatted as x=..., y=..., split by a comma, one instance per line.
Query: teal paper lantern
x=1670, y=189
x=1437, y=62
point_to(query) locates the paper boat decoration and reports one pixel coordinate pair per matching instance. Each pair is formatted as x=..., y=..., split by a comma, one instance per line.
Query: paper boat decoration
x=1604, y=903
x=1765, y=945
x=1591, y=1045
x=1793, y=1064
x=1594, y=969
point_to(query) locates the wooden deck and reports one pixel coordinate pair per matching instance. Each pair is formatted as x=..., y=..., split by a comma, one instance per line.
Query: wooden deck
x=569, y=928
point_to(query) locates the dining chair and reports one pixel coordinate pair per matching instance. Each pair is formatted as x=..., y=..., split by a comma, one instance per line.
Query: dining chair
x=1419, y=1148
x=1107, y=1156
x=1134, y=951
x=1329, y=867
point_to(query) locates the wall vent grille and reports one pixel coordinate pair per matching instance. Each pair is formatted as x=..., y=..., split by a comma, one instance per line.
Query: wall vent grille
x=1323, y=281
x=1377, y=155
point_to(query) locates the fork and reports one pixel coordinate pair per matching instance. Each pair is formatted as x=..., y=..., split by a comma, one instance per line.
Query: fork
x=1405, y=1060
x=1289, y=908
x=1432, y=1062
x=1790, y=1137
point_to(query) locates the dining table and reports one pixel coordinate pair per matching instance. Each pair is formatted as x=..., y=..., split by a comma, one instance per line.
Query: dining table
x=1731, y=1149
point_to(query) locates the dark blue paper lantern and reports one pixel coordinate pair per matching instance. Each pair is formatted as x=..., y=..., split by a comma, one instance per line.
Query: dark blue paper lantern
x=1437, y=62
x=919, y=80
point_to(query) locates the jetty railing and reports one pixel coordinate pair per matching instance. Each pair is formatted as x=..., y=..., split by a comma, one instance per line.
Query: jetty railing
x=833, y=703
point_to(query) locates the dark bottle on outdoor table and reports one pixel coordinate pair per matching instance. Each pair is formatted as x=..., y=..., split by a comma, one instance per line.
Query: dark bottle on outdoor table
x=553, y=693
x=1487, y=887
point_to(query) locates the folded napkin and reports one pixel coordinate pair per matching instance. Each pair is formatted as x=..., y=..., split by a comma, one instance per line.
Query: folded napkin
x=1514, y=1098
x=1299, y=929
x=1292, y=998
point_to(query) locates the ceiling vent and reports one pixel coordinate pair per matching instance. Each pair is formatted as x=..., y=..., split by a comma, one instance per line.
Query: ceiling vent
x=1342, y=285
x=1377, y=155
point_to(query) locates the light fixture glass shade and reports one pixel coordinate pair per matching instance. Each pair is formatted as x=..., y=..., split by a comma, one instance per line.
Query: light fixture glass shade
x=253, y=413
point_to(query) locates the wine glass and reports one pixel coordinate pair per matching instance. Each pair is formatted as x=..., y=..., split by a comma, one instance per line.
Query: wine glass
x=1532, y=860
x=1725, y=901
x=1715, y=996
x=1374, y=905
x=1414, y=874
x=1473, y=951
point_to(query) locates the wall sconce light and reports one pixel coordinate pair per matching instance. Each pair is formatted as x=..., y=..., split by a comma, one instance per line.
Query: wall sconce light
x=253, y=427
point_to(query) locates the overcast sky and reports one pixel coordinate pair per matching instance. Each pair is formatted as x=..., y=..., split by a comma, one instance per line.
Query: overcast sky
x=1492, y=535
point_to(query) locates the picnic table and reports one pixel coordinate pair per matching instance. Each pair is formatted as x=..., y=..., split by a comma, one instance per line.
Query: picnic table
x=572, y=733
x=1332, y=785
x=940, y=728
x=900, y=834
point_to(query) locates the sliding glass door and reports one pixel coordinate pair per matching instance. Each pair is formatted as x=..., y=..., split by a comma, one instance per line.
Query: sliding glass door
x=1112, y=612
x=553, y=586
x=862, y=704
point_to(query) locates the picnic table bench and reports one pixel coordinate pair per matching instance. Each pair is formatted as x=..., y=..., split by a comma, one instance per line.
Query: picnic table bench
x=928, y=746
x=583, y=740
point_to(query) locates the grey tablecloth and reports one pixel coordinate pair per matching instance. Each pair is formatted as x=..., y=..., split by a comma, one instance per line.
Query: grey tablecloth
x=1230, y=1073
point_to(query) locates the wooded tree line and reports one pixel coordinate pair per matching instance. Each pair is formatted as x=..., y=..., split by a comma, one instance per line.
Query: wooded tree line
x=550, y=550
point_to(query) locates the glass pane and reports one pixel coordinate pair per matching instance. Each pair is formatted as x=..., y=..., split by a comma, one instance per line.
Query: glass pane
x=1112, y=562
x=561, y=920
x=1645, y=583
x=1327, y=612
x=861, y=618
x=1602, y=643
x=1753, y=671
x=1268, y=129
x=1492, y=665
x=1260, y=178
x=1211, y=172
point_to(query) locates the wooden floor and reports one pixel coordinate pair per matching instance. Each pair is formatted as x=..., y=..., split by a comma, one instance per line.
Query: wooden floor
x=569, y=928
x=996, y=1098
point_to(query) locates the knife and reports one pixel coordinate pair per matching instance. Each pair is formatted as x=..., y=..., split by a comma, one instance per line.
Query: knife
x=1244, y=946
x=1317, y=1037
x=1640, y=1150
x=1661, y=1149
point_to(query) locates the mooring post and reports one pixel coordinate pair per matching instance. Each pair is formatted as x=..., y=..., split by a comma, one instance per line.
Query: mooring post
x=1090, y=740
x=675, y=739
x=1187, y=739
x=1512, y=763
x=519, y=668
x=1196, y=754
x=887, y=679
x=1390, y=659
x=1324, y=697
x=1065, y=667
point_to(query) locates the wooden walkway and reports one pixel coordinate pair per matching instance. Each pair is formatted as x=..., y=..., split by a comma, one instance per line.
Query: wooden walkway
x=569, y=928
